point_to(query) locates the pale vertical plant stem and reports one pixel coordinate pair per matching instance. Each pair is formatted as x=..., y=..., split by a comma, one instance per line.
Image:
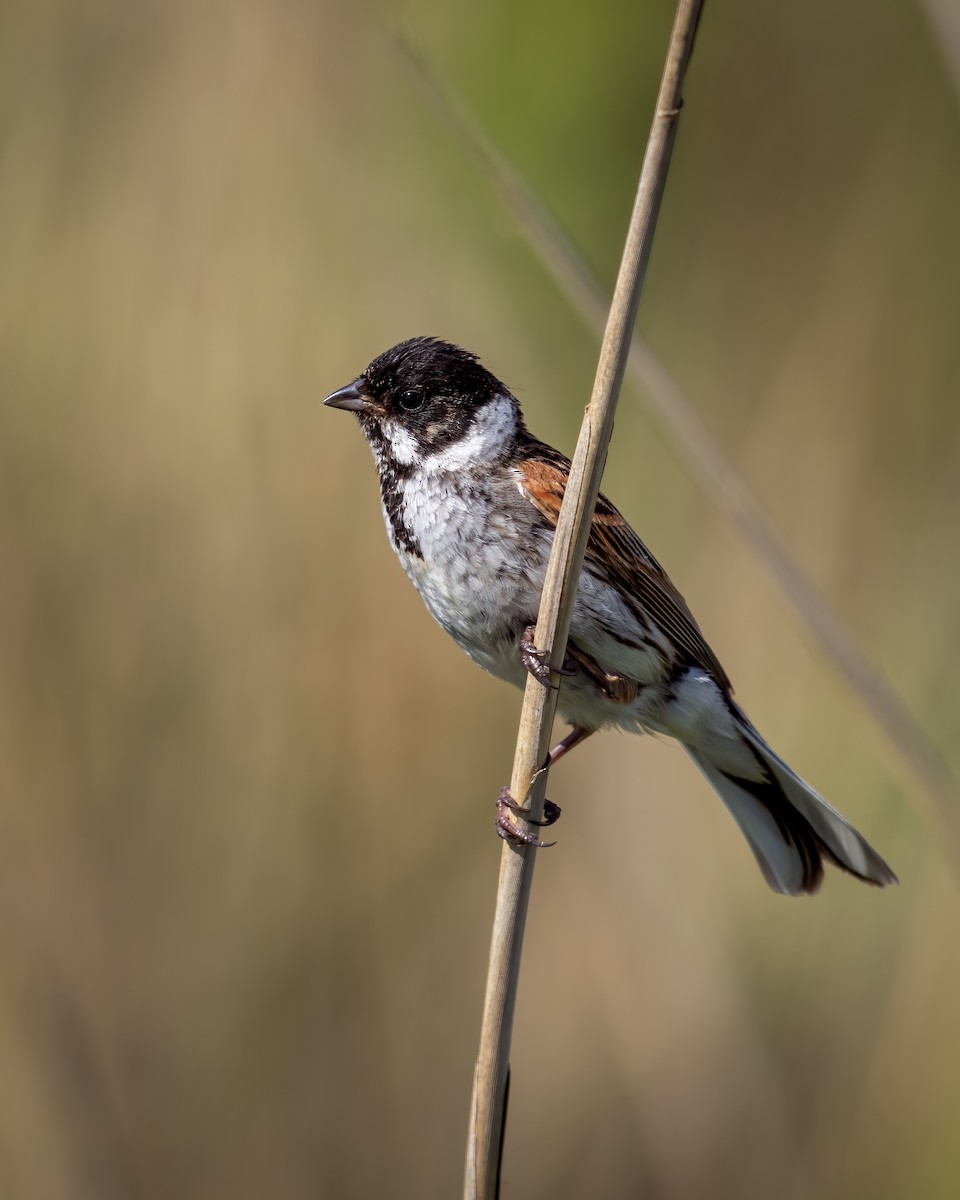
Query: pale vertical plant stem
x=528, y=782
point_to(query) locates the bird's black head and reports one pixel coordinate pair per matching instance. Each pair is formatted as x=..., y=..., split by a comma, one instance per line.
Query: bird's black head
x=424, y=396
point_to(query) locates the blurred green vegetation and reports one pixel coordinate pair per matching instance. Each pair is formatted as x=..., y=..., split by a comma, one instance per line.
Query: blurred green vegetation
x=246, y=852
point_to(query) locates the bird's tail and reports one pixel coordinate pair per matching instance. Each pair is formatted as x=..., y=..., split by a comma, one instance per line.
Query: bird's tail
x=789, y=827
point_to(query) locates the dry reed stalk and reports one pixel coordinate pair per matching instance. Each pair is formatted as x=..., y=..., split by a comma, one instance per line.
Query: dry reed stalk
x=488, y=1104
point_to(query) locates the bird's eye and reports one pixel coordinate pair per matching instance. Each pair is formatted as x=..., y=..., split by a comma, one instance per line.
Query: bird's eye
x=411, y=401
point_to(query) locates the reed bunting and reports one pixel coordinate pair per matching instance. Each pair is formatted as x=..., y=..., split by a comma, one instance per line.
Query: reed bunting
x=471, y=500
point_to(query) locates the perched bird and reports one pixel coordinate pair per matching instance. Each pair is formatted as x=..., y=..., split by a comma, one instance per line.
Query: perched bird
x=471, y=499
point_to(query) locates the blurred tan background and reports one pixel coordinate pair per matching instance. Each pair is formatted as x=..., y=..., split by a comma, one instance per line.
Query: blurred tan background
x=247, y=861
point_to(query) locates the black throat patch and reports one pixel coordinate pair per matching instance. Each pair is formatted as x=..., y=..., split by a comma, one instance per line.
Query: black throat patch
x=393, y=475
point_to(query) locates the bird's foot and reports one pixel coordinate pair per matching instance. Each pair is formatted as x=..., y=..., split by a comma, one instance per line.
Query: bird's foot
x=516, y=832
x=537, y=662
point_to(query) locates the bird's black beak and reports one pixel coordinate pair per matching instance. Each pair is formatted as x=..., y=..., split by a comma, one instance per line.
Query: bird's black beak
x=351, y=398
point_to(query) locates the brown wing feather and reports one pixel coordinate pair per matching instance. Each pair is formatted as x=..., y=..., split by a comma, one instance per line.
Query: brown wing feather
x=616, y=551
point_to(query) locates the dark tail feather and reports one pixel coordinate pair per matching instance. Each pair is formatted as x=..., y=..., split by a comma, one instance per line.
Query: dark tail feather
x=788, y=826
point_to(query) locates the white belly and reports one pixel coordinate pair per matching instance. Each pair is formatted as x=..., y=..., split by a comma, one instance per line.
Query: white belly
x=480, y=574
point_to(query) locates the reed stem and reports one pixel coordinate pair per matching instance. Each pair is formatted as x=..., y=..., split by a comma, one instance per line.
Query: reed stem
x=488, y=1103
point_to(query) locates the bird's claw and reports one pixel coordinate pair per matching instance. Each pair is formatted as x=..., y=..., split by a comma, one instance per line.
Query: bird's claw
x=551, y=811
x=537, y=662
x=517, y=833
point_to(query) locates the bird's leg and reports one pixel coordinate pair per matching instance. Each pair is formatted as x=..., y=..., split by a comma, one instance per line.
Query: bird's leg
x=576, y=735
x=537, y=661
x=515, y=833
x=518, y=832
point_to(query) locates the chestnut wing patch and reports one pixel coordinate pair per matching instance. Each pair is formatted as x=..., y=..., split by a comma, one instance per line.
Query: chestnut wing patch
x=618, y=554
